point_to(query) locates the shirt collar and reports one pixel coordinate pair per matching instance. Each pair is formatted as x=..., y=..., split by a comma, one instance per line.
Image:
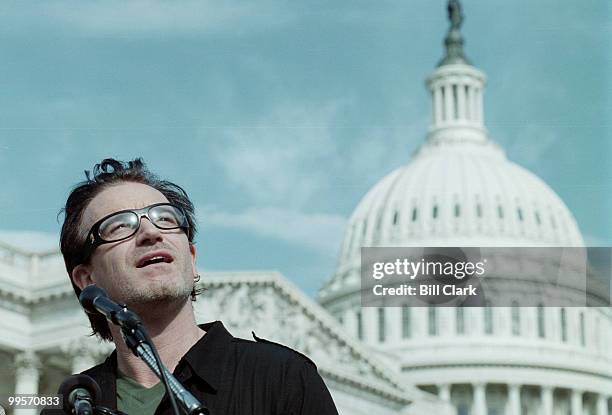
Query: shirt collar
x=208, y=357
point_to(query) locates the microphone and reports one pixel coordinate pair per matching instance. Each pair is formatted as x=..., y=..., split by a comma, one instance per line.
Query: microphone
x=95, y=300
x=79, y=393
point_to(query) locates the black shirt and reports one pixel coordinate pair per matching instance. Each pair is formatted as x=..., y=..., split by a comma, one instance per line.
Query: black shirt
x=235, y=376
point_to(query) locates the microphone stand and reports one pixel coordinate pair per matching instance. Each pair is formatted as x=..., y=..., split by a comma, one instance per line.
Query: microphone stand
x=137, y=339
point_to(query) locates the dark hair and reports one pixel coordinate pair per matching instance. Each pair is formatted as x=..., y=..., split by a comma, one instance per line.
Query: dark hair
x=106, y=174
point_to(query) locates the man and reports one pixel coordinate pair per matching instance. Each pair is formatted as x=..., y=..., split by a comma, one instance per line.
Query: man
x=132, y=234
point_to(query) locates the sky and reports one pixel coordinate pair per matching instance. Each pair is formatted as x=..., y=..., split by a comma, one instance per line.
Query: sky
x=277, y=118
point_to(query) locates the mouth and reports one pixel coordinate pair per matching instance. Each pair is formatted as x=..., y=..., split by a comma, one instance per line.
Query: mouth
x=152, y=258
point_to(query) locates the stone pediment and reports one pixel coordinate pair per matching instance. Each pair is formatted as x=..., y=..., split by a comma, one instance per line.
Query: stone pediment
x=269, y=305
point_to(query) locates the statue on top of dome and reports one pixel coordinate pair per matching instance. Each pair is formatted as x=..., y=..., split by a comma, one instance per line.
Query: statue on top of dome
x=454, y=41
x=454, y=14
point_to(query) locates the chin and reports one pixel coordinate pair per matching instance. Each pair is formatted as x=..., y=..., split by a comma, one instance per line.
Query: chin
x=158, y=293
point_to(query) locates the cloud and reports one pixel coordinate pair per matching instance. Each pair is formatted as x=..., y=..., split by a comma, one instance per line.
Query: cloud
x=380, y=150
x=30, y=241
x=319, y=231
x=284, y=158
x=532, y=143
x=155, y=17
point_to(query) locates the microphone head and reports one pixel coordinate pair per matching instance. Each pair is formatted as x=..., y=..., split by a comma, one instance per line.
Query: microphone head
x=74, y=382
x=88, y=295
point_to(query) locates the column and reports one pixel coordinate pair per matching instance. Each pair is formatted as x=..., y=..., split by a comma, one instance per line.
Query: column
x=27, y=366
x=514, y=399
x=437, y=104
x=370, y=333
x=80, y=353
x=448, y=103
x=479, y=110
x=546, y=397
x=420, y=321
x=444, y=392
x=470, y=102
x=576, y=402
x=461, y=101
x=394, y=324
x=448, y=319
x=480, y=399
x=350, y=322
x=474, y=319
x=602, y=405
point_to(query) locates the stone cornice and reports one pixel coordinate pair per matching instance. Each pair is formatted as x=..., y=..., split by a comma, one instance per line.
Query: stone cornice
x=473, y=365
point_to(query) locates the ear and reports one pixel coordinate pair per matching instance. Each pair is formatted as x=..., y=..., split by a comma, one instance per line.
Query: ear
x=192, y=251
x=81, y=276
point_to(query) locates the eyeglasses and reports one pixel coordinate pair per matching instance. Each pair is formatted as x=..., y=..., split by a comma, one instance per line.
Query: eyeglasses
x=125, y=223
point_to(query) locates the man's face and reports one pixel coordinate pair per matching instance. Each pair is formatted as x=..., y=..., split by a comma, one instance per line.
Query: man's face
x=121, y=268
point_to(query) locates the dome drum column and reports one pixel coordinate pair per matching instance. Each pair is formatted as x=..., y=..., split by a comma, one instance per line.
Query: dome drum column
x=461, y=101
x=602, y=405
x=514, y=399
x=480, y=399
x=576, y=400
x=546, y=397
x=444, y=392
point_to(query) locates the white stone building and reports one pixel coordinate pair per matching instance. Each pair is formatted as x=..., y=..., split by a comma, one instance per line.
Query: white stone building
x=458, y=189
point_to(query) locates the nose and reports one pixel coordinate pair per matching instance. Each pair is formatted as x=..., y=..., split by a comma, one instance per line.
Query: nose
x=148, y=234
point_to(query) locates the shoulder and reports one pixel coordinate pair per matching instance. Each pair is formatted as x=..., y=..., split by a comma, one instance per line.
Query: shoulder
x=267, y=351
x=295, y=376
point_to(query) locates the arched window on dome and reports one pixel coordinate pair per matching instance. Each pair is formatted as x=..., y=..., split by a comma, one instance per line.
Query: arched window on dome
x=434, y=212
x=377, y=230
x=414, y=214
x=457, y=210
x=479, y=210
x=516, y=319
x=537, y=218
x=541, y=321
x=395, y=217
x=519, y=214
x=359, y=325
x=406, y=322
x=488, y=318
x=553, y=223
x=460, y=320
x=563, y=318
x=500, y=211
x=381, y=324
x=433, y=321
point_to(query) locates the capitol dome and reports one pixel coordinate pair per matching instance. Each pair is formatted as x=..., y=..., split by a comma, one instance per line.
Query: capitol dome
x=465, y=193
x=459, y=189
